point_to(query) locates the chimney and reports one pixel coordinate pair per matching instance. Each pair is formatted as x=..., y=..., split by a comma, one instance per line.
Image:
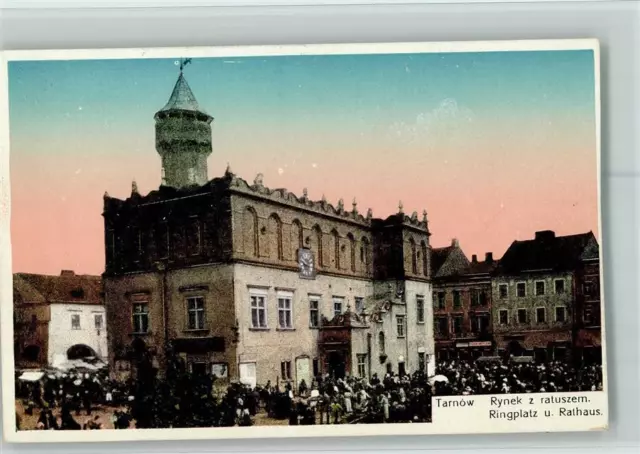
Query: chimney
x=474, y=258
x=67, y=273
x=488, y=257
x=455, y=242
x=545, y=235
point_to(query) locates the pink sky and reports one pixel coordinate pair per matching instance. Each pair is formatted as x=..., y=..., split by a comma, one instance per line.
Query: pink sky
x=486, y=203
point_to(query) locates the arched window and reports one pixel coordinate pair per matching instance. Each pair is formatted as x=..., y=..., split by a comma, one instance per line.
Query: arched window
x=381, y=346
x=297, y=234
x=364, y=253
x=250, y=229
x=414, y=258
x=425, y=258
x=352, y=251
x=317, y=232
x=274, y=230
x=336, y=248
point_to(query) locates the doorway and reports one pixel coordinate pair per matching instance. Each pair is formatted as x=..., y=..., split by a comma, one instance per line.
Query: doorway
x=337, y=366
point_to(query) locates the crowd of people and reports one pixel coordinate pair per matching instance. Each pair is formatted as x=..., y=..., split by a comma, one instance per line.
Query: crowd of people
x=513, y=377
x=70, y=393
x=181, y=399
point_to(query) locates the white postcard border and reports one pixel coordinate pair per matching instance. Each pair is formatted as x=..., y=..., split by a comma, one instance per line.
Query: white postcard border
x=471, y=426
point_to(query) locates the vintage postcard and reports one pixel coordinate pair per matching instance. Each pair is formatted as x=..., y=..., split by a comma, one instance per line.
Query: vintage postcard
x=334, y=239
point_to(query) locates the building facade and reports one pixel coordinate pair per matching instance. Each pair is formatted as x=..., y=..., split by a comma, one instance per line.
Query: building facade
x=462, y=304
x=253, y=283
x=540, y=297
x=57, y=319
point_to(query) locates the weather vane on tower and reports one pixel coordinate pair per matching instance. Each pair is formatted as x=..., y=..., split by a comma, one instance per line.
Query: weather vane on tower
x=183, y=62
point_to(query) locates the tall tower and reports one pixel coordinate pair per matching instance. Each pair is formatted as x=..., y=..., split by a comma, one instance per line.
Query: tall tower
x=183, y=137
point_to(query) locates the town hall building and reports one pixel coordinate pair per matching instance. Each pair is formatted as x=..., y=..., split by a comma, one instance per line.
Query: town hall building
x=256, y=284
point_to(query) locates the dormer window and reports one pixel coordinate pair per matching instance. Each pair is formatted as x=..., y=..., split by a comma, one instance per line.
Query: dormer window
x=77, y=293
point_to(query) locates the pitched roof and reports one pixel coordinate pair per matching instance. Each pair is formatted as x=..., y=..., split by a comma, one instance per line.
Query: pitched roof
x=65, y=288
x=182, y=98
x=548, y=252
x=438, y=257
x=449, y=261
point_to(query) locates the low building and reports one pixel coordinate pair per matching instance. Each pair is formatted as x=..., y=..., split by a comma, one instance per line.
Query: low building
x=462, y=303
x=57, y=319
x=539, y=297
x=253, y=284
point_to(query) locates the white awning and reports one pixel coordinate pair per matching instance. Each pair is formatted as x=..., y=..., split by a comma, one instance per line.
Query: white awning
x=31, y=376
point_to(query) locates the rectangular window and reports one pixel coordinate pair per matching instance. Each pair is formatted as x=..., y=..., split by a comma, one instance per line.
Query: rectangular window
x=141, y=318
x=362, y=365
x=483, y=323
x=504, y=316
x=474, y=296
x=522, y=316
x=400, y=325
x=338, y=303
x=521, y=290
x=559, y=286
x=422, y=363
x=285, y=370
x=314, y=312
x=194, y=237
x=195, y=309
x=561, y=315
x=504, y=291
x=442, y=326
x=285, y=318
x=75, y=321
x=457, y=300
x=98, y=321
x=457, y=324
x=591, y=314
x=359, y=305
x=587, y=315
x=590, y=289
x=541, y=315
x=441, y=300
x=198, y=368
x=258, y=310
x=539, y=288
x=483, y=298
x=316, y=367
x=420, y=308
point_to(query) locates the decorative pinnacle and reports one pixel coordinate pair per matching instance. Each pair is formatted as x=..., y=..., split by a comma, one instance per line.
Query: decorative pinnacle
x=400, y=207
x=258, y=179
x=106, y=195
x=228, y=170
x=424, y=216
x=340, y=205
x=354, y=204
x=305, y=193
x=134, y=187
x=369, y=213
x=324, y=198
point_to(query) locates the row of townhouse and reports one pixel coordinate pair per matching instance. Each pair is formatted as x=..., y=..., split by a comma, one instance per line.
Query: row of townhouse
x=541, y=299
